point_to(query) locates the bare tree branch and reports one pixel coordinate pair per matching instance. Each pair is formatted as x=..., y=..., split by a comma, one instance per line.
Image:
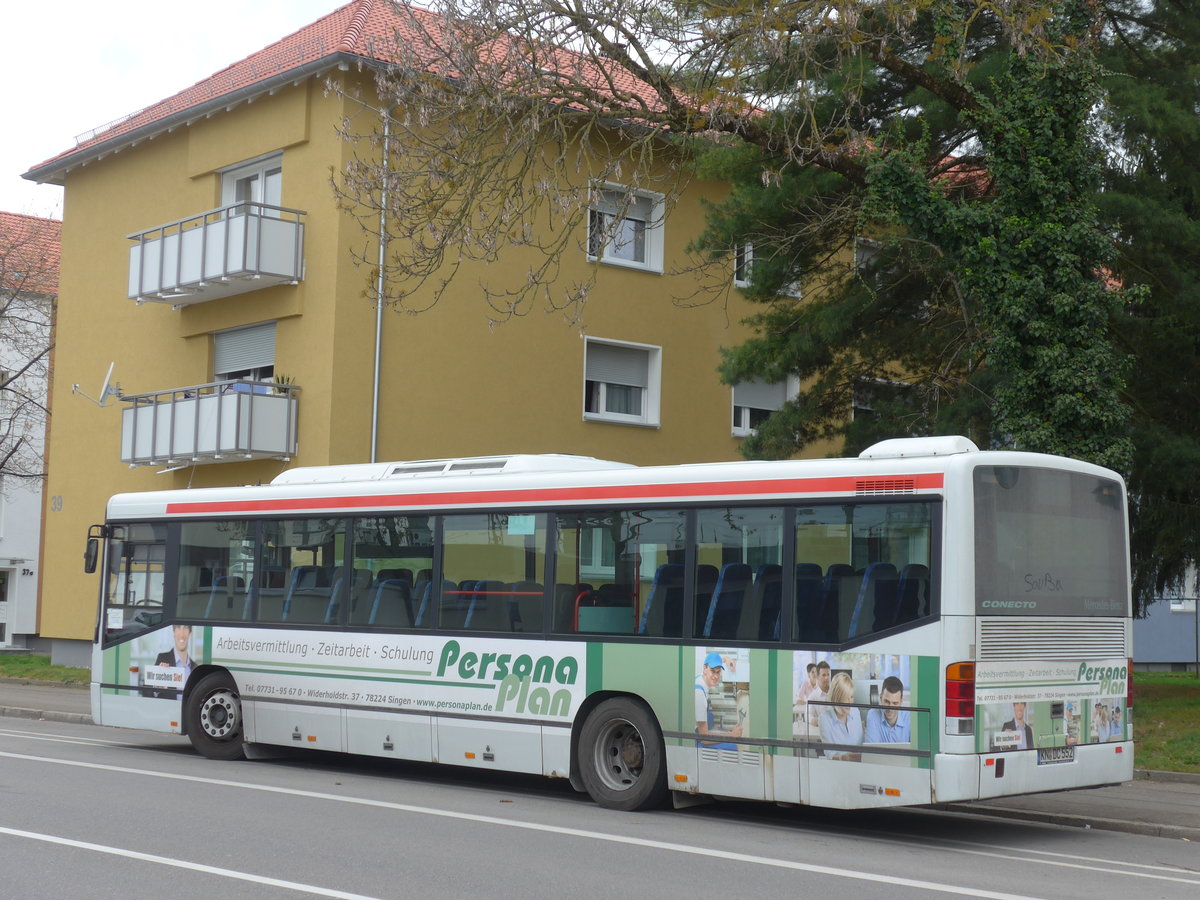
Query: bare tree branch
x=29, y=253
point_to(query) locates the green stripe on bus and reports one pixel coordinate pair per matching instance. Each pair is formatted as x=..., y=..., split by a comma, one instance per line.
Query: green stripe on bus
x=926, y=693
x=230, y=662
x=595, y=667
x=486, y=686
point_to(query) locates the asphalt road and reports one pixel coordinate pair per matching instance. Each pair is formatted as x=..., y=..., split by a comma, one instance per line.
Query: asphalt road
x=100, y=813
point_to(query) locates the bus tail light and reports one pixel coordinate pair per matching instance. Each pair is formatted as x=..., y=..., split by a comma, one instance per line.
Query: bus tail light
x=1129, y=686
x=960, y=698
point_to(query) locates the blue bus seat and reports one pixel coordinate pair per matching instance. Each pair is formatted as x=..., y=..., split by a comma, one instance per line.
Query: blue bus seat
x=912, y=593
x=829, y=617
x=725, y=607
x=876, y=591
x=809, y=587
x=663, y=613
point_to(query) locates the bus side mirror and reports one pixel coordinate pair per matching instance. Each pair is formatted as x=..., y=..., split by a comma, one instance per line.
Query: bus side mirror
x=91, y=554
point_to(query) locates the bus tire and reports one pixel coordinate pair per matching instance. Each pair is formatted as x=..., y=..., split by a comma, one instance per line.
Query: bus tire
x=213, y=716
x=622, y=760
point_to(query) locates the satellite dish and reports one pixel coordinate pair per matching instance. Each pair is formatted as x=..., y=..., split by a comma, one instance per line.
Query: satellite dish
x=107, y=389
x=103, y=395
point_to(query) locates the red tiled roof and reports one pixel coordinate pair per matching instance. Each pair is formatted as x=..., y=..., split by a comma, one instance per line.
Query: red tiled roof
x=368, y=29
x=30, y=248
x=361, y=28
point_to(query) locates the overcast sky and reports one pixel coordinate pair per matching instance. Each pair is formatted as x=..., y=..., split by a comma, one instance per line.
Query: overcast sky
x=74, y=65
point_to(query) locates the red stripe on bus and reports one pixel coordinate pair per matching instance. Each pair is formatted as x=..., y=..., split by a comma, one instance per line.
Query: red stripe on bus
x=848, y=484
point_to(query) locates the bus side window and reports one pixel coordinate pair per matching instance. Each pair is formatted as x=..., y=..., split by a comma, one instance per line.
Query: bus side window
x=876, y=559
x=216, y=567
x=499, y=561
x=607, y=566
x=392, y=561
x=307, y=556
x=738, y=558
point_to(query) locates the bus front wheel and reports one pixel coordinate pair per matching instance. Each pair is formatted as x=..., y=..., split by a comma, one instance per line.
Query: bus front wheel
x=621, y=756
x=213, y=713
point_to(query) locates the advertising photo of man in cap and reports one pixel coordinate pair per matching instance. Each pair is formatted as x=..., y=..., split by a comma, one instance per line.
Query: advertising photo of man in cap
x=709, y=677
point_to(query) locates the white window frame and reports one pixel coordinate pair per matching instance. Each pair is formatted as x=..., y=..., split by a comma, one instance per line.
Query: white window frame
x=743, y=264
x=651, y=391
x=741, y=414
x=743, y=267
x=262, y=189
x=609, y=200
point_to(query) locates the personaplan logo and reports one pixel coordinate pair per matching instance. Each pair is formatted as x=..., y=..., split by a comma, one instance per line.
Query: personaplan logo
x=516, y=676
x=1111, y=678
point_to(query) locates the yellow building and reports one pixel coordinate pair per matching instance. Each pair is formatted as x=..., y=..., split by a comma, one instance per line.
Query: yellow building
x=242, y=333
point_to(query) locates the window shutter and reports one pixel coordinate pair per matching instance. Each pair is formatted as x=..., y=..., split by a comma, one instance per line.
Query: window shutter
x=614, y=203
x=613, y=364
x=760, y=395
x=244, y=348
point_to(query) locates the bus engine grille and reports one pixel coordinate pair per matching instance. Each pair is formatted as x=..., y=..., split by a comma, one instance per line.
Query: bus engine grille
x=1074, y=638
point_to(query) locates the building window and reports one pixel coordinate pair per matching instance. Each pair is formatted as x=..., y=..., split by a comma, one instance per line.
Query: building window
x=245, y=353
x=621, y=382
x=871, y=393
x=753, y=403
x=625, y=228
x=744, y=259
x=743, y=264
x=259, y=182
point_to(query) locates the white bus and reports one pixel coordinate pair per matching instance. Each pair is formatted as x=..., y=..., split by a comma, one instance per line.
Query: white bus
x=926, y=623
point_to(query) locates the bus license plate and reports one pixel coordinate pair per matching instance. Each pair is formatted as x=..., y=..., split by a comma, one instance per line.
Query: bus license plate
x=1047, y=755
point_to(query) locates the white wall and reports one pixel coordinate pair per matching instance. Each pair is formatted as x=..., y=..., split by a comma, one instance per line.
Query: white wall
x=20, y=532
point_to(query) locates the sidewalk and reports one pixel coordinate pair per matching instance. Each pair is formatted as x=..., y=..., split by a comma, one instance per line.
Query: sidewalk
x=1160, y=804
x=53, y=702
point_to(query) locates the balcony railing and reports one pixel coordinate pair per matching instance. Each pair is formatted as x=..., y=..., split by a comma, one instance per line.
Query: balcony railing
x=226, y=421
x=219, y=253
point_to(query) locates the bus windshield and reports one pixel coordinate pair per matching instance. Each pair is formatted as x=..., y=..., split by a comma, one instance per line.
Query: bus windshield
x=1048, y=542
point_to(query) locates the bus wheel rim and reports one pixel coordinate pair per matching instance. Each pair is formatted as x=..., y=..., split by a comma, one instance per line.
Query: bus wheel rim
x=219, y=715
x=620, y=755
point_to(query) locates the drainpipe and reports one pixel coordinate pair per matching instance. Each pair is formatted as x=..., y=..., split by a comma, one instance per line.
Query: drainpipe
x=379, y=283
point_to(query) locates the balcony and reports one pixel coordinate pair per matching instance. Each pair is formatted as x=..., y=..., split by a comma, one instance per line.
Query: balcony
x=226, y=421
x=226, y=251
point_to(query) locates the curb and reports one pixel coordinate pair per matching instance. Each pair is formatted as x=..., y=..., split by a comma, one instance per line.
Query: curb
x=1149, y=829
x=69, y=685
x=1168, y=777
x=48, y=715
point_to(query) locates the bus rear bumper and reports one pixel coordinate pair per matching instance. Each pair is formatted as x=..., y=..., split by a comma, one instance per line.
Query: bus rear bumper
x=981, y=776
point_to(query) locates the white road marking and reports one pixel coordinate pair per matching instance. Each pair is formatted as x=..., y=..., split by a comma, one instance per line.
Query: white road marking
x=645, y=843
x=184, y=864
x=58, y=739
x=1077, y=861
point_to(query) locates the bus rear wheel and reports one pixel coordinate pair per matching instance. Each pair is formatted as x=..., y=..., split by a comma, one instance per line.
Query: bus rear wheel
x=621, y=757
x=213, y=715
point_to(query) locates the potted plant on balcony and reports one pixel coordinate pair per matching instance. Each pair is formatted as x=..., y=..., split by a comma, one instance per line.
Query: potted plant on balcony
x=283, y=383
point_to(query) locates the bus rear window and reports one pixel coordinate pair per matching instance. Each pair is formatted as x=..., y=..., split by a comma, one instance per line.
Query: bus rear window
x=1049, y=543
